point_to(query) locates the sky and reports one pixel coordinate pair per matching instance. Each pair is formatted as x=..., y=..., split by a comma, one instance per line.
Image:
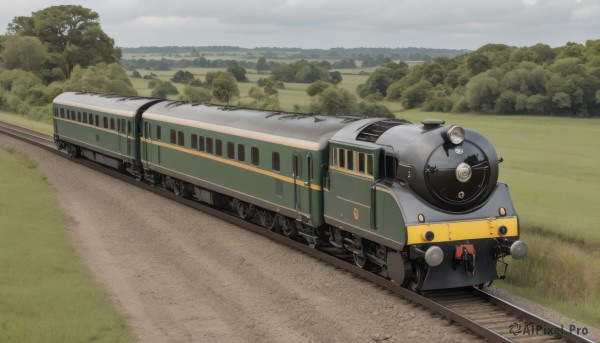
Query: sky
x=324, y=24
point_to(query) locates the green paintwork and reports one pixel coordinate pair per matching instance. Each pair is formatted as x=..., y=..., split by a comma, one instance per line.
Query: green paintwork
x=258, y=182
x=349, y=194
x=119, y=143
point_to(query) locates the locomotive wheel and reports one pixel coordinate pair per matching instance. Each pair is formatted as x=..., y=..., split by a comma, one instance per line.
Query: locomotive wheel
x=179, y=188
x=290, y=230
x=73, y=150
x=417, y=278
x=267, y=219
x=359, y=258
x=242, y=208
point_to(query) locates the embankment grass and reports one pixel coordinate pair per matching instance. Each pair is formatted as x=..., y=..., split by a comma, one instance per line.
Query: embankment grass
x=46, y=293
x=558, y=273
x=28, y=123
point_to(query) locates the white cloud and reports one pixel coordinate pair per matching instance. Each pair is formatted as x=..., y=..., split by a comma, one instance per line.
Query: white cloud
x=350, y=23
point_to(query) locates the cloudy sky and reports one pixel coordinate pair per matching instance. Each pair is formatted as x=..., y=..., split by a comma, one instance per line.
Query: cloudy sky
x=454, y=24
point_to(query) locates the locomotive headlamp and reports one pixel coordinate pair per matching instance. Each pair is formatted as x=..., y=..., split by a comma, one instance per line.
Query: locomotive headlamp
x=434, y=256
x=463, y=172
x=429, y=236
x=456, y=134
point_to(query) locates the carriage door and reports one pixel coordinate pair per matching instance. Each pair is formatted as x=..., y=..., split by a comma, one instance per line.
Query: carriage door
x=296, y=170
x=147, y=145
x=310, y=176
x=301, y=187
x=119, y=138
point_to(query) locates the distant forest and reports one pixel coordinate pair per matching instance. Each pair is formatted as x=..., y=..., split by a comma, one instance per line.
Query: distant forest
x=404, y=54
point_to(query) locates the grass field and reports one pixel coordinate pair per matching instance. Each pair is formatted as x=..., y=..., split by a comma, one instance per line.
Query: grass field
x=22, y=121
x=46, y=293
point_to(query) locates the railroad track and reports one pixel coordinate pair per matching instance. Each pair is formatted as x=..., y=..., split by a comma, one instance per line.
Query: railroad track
x=476, y=310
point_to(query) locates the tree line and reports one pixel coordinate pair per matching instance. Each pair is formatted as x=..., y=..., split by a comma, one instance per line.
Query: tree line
x=57, y=49
x=497, y=78
x=405, y=54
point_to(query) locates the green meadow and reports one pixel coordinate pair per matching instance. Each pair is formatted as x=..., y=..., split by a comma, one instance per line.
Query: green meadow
x=46, y=292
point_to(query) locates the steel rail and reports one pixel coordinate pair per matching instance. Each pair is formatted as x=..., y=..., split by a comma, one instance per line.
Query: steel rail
x=427, y=301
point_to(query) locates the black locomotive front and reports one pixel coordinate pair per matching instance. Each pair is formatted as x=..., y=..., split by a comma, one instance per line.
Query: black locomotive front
x=459, y=219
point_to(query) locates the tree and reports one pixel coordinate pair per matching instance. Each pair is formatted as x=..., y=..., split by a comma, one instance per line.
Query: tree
x=262, y=65
x=415, y=95
x=317, y=87
x=478, y=63
x=101, y=78
x=27, y=53
x=374, y=110
x=264, y=99
x=382, y=78
x=225, y=87
x=482, y=91
x=334, y=101
x=196, y=94
x=163, y=89
x=301, y=71
x=182, y=77
x=238, y=72
x=335, y=77
x=72, y=33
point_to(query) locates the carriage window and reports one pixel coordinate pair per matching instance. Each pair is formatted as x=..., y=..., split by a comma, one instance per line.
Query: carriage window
x=105, y=122
x=276, y=162
x=334, y=155
x=55, y=112
x=62, y=112
x=112, y=123
x=68, y=114
x=85, y=117
x=254, y=156
x=180, y=137
x=230, y=150
x=350, y=160
x=128, y=127
x=79, y=116
x=97, y=120
x=119, y=125
x=194, y=141
x=361, y=162
x=342, y=157
x=158, y=135
x=369, y=164
x=311, y=169
x=241, y=152
x=390, y=166
x=201, y=143
x=218, y=147
x=209, y=145
x=173, y=136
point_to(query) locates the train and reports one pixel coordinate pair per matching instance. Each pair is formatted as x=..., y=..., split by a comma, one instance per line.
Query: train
x=419, y=204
